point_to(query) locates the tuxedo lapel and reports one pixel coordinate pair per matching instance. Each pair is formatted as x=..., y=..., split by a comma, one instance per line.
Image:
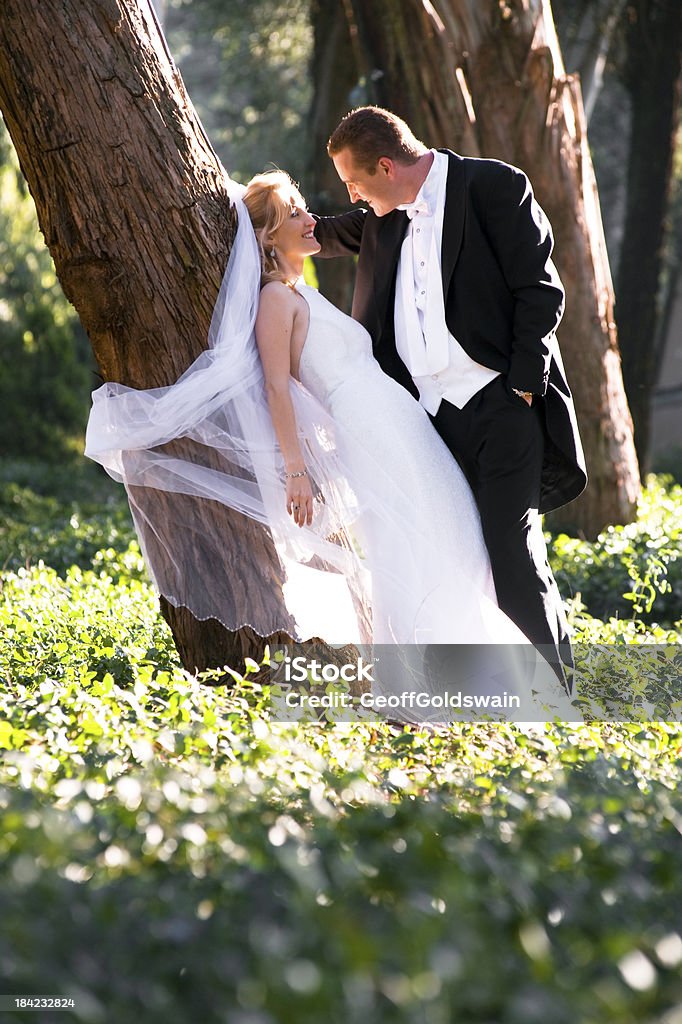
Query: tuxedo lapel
x=453, y=217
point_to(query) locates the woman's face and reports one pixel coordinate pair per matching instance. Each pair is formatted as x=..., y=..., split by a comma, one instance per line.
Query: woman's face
x=295, y=236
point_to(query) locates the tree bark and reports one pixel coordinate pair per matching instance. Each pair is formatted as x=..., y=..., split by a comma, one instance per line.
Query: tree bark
x=652, y=77
x=131, y=201
x=410, y=62
x=530, y=113
x=334, y=74
x=489, y=81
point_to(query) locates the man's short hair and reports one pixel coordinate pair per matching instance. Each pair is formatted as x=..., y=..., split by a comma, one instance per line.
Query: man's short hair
x=372, y=132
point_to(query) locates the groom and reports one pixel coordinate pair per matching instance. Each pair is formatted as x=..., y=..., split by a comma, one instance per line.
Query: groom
x=456, y=287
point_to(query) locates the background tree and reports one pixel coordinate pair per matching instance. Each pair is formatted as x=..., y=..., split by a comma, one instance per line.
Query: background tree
x=651, y=73
x=131, y=201
x=245, y=65
x=530, y=112
x=635, y=107
x=495, y=72
x=334, y=74
x=586, y=31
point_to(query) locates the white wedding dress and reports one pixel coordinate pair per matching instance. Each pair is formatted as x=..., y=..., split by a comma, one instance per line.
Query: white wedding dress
x=432, y=582
x=430, y=575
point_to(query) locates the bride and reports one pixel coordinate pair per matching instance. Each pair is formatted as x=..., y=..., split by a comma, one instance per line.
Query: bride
x=430, y=574
x=374, y=524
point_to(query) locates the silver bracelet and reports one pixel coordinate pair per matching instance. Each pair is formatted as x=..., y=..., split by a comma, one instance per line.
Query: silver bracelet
x=290, y=476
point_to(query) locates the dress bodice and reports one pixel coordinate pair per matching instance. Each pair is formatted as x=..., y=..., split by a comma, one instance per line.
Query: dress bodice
x=337, y=349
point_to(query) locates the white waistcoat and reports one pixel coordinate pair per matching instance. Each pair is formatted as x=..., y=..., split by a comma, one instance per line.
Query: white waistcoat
x=437, y=362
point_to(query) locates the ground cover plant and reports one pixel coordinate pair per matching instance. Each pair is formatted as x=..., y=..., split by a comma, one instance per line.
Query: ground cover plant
x=169, y=852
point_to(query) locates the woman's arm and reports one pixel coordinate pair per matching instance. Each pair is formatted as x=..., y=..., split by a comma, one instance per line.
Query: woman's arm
x=274, y=328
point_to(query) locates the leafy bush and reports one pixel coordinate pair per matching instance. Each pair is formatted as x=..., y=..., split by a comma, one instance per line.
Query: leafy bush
x=83, y=625
x=79, y=600
x=633, y=570
x=169, y=852
x=61, y=514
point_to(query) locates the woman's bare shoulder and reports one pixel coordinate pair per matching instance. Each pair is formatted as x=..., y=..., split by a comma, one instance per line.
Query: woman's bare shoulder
x=276, y=294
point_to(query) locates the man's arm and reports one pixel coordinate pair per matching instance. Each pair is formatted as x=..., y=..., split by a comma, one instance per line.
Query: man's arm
x=340, y=235
x=521, y=237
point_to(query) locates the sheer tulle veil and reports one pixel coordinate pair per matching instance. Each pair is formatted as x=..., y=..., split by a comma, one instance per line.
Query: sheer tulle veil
x=210, y=436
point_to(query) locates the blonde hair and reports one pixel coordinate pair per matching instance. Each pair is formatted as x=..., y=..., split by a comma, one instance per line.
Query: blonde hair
x=269, y=198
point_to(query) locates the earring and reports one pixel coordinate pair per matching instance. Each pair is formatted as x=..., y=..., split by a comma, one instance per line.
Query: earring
x=273, y=254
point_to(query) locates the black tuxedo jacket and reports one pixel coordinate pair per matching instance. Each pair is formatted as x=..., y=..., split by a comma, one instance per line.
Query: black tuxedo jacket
x=503, y=296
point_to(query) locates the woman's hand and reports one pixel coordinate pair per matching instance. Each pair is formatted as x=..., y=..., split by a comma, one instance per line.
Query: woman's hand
x=300, y=500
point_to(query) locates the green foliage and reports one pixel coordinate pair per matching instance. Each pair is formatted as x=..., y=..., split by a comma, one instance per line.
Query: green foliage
x=71, y=558
x=169, y=852
x=632, y=571
x=245, y=64
x=82, y=625
x=45, y=361
x=62, y=514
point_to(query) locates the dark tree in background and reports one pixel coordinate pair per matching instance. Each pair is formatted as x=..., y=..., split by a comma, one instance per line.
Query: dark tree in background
x=530, y=112
x=489, y=81
x=651, y=73
x=587, y=29
x=358, y=57
x=408, y=55
x=635, y=101
x=334, y=75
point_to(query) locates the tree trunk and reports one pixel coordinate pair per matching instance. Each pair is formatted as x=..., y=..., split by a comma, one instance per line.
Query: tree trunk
x=530, y=113
x=591, y=69
x=410, y=64
x=334, y=75
x=489, y=81
x=652, y=77
x=131, y=201
x=586, y=32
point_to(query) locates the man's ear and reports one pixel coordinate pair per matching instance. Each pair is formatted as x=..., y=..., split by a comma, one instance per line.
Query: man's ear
x=385, y=166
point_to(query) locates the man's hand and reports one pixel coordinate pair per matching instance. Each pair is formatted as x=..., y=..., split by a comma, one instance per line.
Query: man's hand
x=527, y=396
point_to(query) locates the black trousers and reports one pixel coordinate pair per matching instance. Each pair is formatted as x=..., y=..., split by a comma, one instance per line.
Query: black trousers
x=498, y=440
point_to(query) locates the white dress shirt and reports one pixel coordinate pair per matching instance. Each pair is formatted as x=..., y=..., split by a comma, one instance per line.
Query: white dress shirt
x=437, y=362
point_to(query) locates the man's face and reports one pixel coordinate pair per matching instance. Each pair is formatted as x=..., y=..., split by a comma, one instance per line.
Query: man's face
x=378, y=190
